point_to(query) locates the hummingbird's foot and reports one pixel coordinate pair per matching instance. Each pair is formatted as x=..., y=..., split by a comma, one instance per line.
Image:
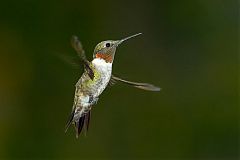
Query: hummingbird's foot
x=93, y=100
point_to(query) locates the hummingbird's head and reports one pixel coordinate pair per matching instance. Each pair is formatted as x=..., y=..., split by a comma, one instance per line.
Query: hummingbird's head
x=106, y=49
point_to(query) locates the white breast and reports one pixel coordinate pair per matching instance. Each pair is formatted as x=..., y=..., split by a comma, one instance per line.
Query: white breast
x=105, y=70
x=101, y=65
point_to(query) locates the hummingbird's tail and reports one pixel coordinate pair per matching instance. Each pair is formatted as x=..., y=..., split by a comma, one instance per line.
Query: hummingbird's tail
x=79, y=122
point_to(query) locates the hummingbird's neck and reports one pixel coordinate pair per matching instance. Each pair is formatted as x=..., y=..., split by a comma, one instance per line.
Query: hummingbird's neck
x=108, y=58
x=101, y=62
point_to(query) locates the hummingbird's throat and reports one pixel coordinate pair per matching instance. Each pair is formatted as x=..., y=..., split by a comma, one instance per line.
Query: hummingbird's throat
x=107, y=57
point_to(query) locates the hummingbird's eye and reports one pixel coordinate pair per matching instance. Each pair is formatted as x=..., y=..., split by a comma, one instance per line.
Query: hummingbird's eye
x=108, y=45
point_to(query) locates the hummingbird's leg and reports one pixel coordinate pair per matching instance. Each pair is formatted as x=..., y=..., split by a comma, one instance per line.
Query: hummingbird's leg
x=93, y=100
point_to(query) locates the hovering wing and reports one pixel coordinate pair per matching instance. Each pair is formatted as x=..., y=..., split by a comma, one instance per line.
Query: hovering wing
x=76, y=44
x=69, y=60
x=144, y=86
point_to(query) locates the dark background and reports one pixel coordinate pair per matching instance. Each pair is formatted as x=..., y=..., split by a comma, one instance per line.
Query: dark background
x=188, y=48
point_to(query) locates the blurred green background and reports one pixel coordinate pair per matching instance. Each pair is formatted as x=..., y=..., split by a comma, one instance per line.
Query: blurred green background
x=188, y=48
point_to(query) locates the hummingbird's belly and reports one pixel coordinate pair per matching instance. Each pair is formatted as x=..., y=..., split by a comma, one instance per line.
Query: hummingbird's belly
x=88, y=90
x=101, y=85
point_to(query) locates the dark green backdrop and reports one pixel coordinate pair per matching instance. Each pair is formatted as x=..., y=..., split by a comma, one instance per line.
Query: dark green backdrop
x=188, y=48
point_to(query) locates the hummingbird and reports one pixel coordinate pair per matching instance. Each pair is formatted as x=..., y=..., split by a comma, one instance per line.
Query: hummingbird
x=96, y=77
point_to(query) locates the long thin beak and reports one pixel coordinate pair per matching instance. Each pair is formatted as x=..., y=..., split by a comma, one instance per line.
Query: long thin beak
x=124, y=39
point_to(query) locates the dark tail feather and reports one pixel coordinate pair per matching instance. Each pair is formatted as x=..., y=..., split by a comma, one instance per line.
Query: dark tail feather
x=79, y=126
x=87, y=120
x=83, y=122
x=70, y=119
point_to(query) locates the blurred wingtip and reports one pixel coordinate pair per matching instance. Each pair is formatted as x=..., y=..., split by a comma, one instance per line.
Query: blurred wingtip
x=157, y=89
x=149, y=87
